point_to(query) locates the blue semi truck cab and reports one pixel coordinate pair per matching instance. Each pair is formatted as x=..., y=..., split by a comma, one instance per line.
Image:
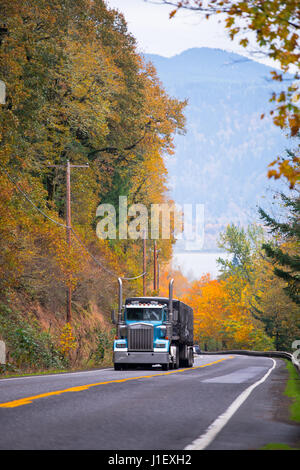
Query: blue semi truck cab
x=153, y=330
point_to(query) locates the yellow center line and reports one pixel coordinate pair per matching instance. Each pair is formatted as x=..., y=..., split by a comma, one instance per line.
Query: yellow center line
x=27, y=400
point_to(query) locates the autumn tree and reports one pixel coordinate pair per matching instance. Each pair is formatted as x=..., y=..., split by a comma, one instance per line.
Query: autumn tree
x=287, y=166
x=181, y=282
x=283, y=249
x=77, y=90
x=222, y=318
x=87, y=96
x=251, y=282
x=241, y=245
x=272, y=306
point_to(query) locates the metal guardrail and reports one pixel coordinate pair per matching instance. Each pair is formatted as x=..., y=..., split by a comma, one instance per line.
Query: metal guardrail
x=279, y=354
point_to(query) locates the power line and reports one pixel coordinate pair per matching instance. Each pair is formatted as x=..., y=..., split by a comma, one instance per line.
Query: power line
x=101, y=265
x=30, y=201
x=71, y=229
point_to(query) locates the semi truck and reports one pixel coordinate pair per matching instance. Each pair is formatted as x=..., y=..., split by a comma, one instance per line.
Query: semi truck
x=153, y=330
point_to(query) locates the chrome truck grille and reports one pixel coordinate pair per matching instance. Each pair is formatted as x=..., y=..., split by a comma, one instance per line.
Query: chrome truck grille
x=140, y=337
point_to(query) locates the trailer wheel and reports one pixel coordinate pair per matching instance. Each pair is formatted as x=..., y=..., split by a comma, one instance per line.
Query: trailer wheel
x=191, y=357
x=176, y=364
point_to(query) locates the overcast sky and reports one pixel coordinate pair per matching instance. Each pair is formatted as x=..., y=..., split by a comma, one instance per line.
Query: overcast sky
x=155, y=33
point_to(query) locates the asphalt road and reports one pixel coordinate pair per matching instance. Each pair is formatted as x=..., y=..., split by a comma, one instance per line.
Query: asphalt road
x=223, y=402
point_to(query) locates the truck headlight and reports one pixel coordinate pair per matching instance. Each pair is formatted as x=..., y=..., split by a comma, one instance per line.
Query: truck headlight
x=120, y=345
x=160, y=345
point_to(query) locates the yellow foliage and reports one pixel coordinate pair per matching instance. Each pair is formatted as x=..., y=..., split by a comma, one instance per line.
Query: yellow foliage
x=67, y=341
x=221, y=313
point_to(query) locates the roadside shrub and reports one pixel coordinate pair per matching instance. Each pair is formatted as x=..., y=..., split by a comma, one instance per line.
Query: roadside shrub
x=28, y=345
x=67, y=340
x=104, y=345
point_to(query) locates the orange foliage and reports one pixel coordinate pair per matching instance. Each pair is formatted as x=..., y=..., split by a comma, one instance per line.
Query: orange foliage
x=219, y=315
x=181, y=283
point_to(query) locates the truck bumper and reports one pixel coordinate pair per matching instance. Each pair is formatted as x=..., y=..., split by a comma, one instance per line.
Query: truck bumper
x=124, y=357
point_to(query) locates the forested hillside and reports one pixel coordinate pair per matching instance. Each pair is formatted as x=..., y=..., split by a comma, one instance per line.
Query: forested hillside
x=77, y=90
x=225, y=154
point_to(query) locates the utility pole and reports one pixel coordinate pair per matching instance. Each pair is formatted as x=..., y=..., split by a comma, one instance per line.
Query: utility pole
x=144, y=264
x=68, y=167
x=154, y=268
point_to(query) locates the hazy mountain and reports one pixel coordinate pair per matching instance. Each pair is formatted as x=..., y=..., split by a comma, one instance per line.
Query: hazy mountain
x=222, y=160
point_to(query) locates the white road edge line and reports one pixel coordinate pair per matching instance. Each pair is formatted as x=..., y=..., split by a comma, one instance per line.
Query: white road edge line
x=213, y=430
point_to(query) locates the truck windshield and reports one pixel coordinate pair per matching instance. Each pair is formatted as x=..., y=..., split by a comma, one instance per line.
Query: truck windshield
x=140, y=314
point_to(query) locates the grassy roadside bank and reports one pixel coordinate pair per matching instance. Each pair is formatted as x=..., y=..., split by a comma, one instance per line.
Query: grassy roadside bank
x=37, y=341
x=11, y=375
x=292, y=391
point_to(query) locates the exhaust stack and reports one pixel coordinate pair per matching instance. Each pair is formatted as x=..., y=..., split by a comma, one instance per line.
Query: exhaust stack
x=171, y=300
